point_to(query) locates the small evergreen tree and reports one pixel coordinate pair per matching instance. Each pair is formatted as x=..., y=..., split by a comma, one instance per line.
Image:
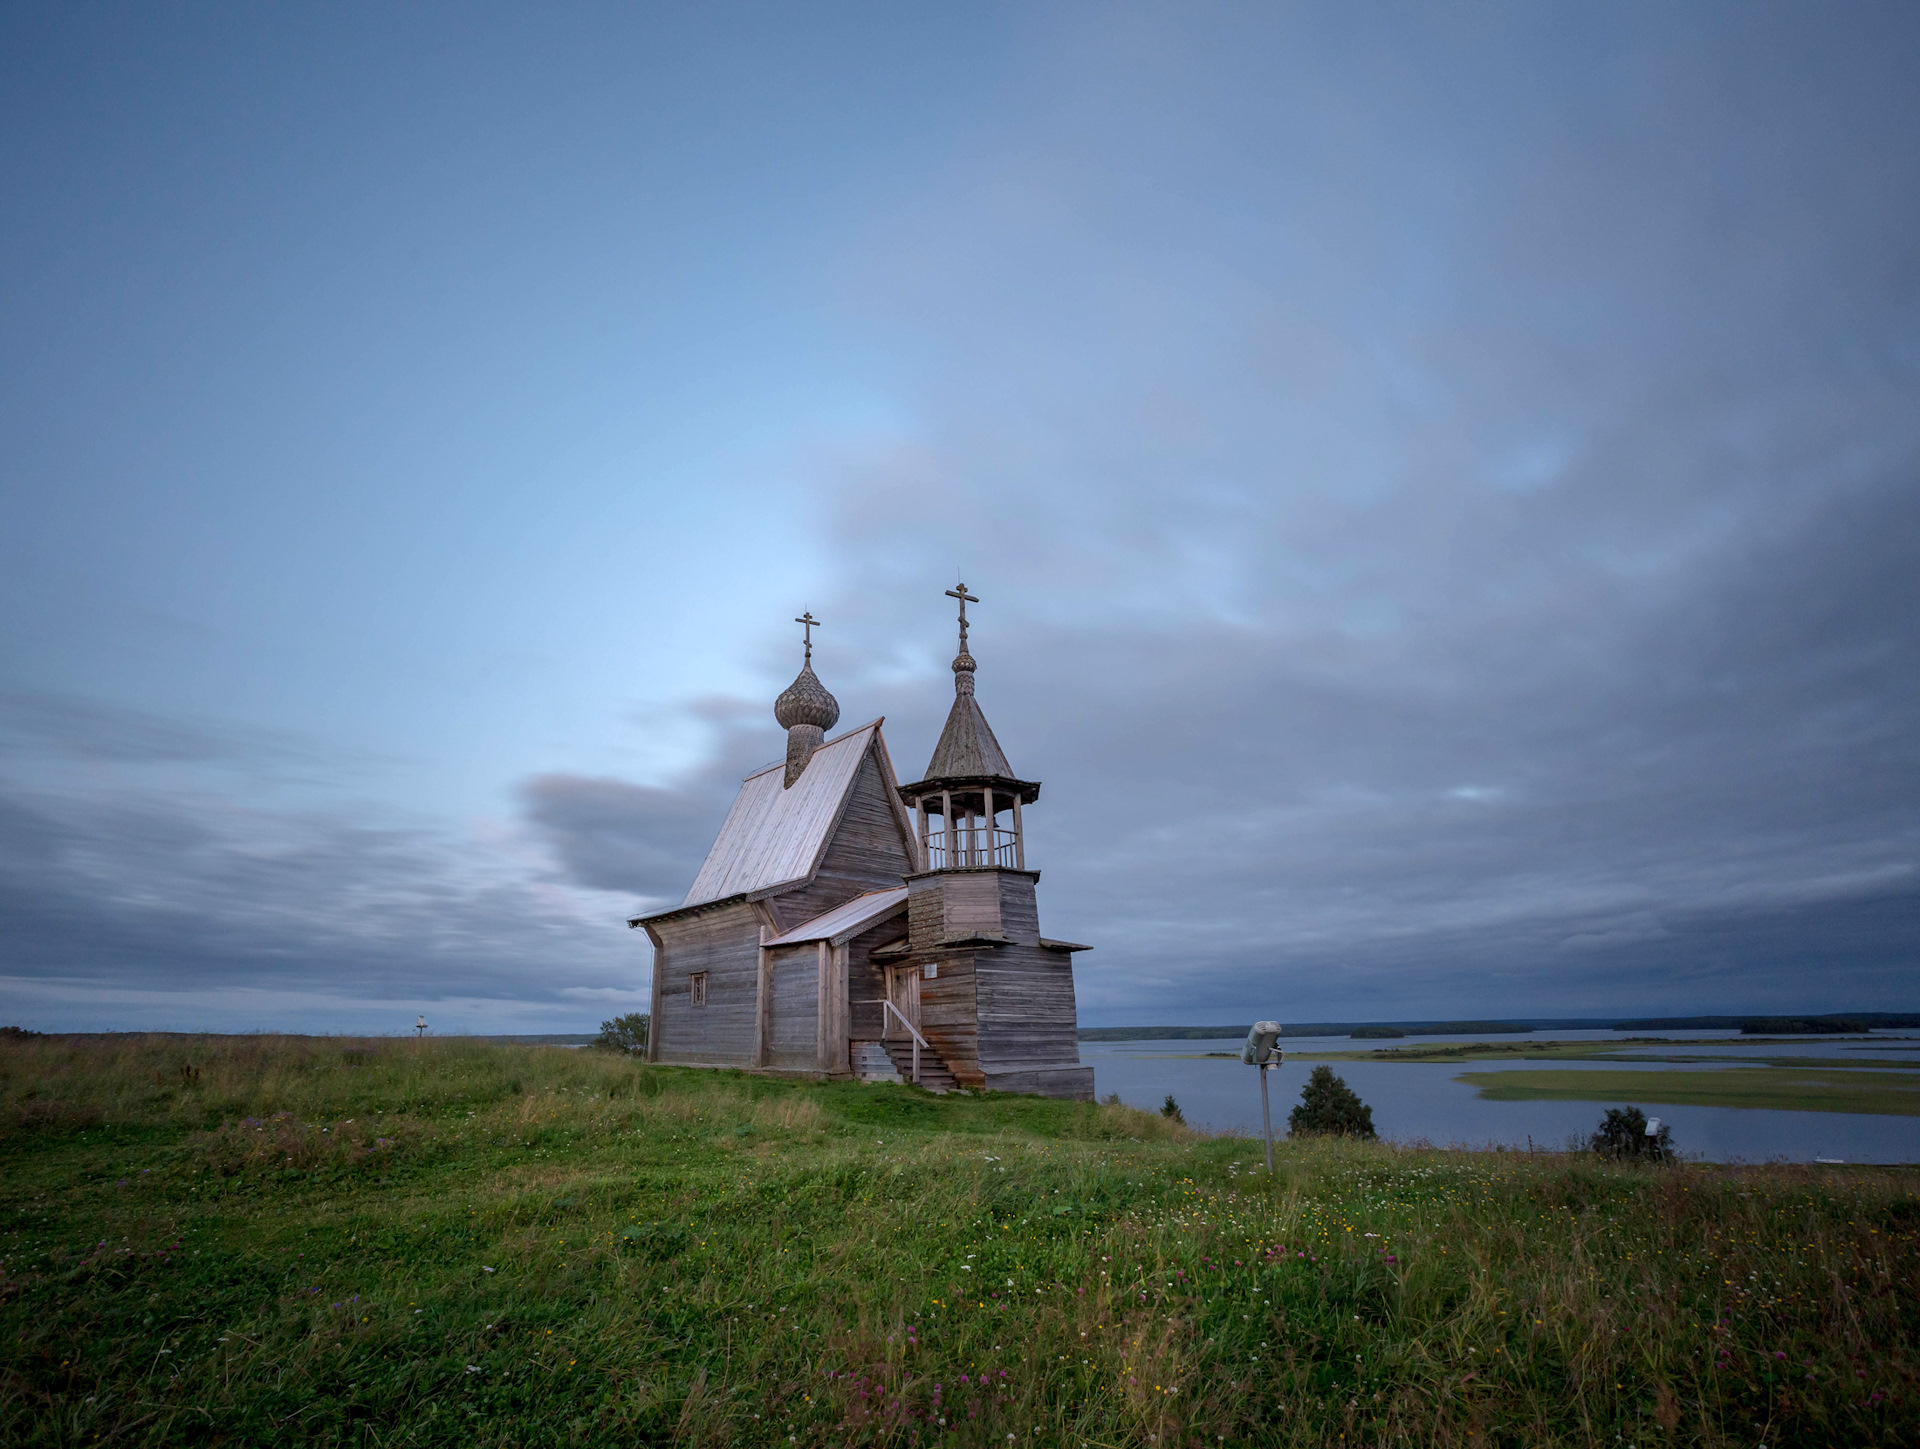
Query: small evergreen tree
x=1171, y=1109
x=1328, y=1105
x=1622, y=1136
x=623, y=1034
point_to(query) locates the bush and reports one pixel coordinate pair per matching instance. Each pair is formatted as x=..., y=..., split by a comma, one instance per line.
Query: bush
x=1622, y=1136
x=1170, y=1109
x=623, y=1034
x=1329, y=1106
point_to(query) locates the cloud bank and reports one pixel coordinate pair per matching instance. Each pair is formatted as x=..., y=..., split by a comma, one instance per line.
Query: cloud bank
x=1444, y=491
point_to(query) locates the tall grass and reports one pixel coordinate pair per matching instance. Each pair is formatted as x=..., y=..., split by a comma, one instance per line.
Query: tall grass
x=252, y=1240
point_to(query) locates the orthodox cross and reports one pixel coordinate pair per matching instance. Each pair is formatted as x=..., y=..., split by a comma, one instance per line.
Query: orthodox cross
x=965, y=598
x=810, y=622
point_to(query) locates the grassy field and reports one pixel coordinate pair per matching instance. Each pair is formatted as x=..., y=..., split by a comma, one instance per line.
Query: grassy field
x=1799, y=1088
x=1880, y=1086
x=302, y=1240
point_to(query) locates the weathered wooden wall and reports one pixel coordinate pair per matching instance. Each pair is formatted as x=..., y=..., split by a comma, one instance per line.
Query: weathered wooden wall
x=793, y=1010
x=868, y=851
x=1025, y=999
x=1002, y=1016
x=724, y=942
x=994, y=901
x=867, y=979
x=947, y=1018
x=1019, y=910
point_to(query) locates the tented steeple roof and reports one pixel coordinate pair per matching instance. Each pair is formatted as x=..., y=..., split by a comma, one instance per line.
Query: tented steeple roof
x=967, y=746
x=968, y=756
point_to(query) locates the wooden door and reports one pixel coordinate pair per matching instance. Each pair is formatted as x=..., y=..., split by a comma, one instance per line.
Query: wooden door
x=903, y=990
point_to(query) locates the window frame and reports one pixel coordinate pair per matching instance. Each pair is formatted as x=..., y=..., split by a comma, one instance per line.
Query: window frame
x=697, y=988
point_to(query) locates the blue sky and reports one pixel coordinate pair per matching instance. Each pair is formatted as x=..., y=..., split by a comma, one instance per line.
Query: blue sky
x=1442, y=485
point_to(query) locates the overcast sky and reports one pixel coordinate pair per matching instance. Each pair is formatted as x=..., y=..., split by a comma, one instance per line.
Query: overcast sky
x=1443, y=483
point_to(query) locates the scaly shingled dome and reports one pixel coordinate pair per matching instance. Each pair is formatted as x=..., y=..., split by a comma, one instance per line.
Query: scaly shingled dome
x=806, y=702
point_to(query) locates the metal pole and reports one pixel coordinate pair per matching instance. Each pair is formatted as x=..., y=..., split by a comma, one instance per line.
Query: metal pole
x=1266, y=1117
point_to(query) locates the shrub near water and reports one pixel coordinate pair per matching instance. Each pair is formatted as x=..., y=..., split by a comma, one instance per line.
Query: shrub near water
x=1622, y=1135
x=1329, y=1107
x=454, y=1243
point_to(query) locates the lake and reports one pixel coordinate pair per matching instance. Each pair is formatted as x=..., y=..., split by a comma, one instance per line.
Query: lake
x=1420, y=1101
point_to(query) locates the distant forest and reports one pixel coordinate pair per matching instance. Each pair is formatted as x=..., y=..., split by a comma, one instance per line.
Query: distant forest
x=1853, y=1021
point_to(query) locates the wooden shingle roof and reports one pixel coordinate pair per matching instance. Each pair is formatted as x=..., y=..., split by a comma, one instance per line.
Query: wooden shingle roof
x=775, y=834
x=967, y=747
x=845, y=921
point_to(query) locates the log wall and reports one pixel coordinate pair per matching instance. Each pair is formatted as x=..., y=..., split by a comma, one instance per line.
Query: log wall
x=793, y=1006
x=724, y=943
x=1026, y=1006
x=867, y=981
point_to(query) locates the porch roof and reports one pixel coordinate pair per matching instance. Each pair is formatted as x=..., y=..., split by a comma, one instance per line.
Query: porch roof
x=846, y=920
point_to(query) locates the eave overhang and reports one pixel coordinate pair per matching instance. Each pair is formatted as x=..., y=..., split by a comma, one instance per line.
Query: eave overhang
x=930, y=789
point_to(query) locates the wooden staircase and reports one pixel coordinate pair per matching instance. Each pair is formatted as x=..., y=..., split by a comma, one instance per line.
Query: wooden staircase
x=892, y=1061
x=934, y=1075
x=872, y=1064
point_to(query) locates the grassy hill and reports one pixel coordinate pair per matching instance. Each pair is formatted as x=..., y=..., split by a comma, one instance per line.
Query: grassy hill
x=308, y=1240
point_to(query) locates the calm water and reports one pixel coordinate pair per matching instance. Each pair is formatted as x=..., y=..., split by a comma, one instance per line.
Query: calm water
x=1415, y=1101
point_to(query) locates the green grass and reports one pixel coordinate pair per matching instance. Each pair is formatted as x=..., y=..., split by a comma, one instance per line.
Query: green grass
x=1800, y=1088
x=259, y=1241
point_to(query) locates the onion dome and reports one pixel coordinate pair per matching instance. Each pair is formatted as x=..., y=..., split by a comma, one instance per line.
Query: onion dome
x=806, y=702
x=805, y=711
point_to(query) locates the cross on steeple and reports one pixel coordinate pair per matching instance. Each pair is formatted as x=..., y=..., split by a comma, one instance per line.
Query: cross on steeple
x=965, y=598
x=809, y=622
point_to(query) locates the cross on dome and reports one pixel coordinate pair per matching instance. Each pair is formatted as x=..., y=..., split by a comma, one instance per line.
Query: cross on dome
x=809, y=621
x=965, y=598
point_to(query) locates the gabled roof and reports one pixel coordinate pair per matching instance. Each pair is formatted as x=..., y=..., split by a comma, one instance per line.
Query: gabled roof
x=846, y=920
x=775, y=835
x=967, y=746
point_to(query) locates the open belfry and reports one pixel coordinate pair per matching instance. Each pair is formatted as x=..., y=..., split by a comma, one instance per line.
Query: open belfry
x=847, y=926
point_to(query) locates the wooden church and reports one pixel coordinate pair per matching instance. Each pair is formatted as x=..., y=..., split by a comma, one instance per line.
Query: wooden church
x=847, y=926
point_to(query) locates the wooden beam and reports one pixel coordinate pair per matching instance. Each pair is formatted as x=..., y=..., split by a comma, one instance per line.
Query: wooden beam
x=823, y=1014
x=842, y=1010
x=1019, y=836
x=653, y=1004
x=762, y=1002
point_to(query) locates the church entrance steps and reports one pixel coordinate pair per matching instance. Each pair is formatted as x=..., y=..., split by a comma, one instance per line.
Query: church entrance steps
x=872, y=1064
x=934, y=1075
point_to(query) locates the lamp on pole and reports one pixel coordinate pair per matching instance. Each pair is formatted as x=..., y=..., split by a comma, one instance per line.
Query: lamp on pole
x=1263, y=1050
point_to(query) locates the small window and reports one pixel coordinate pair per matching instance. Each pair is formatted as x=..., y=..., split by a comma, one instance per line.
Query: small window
x=697, y=987
x=930, y=971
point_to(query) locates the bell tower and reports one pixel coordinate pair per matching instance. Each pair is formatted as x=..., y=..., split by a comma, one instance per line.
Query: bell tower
x=967, y=812
x=995, y=997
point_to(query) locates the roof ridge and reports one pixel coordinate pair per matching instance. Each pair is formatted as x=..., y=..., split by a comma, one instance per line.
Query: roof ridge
x=872, y=724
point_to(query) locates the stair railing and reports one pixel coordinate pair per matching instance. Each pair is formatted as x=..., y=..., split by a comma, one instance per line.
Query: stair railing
x=918, y=1040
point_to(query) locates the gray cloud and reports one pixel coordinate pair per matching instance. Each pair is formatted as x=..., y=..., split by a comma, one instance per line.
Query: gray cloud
x=79, y=728
x=148, y=888
x=1473, y=563
x=613, y=835
x=1445, y=494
